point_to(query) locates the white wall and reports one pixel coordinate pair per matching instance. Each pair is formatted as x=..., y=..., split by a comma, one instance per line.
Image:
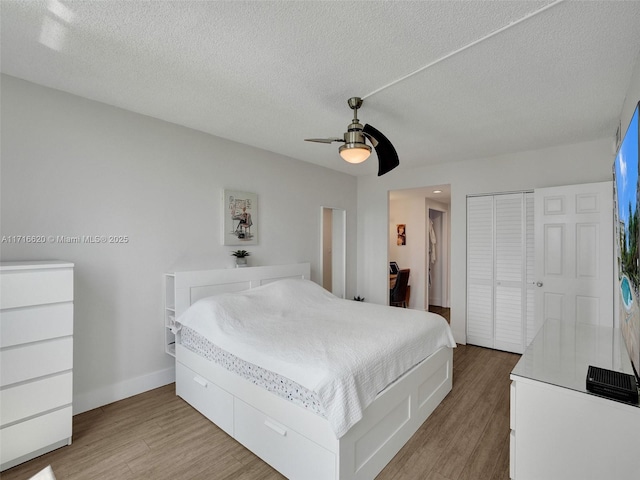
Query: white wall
x=72, y=166
x=569, y=164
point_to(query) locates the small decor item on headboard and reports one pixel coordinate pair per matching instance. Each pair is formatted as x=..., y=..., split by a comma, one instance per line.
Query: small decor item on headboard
x=240, y=214
x=241, y=257
x=359, y=298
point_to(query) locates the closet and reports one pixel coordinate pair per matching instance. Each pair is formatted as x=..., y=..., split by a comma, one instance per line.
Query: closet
x=500, y=271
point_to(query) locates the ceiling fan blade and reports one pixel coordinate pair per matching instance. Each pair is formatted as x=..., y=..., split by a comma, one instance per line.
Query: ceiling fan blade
x=387, y=155
x=324, y=140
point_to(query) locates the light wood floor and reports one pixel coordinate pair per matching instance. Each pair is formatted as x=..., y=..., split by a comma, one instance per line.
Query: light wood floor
x=156, y=435
x=445, y=312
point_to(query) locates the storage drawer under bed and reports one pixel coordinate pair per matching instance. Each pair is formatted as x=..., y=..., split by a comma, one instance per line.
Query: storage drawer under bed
x=288, y=451
x=292, y=454
x=213, y=402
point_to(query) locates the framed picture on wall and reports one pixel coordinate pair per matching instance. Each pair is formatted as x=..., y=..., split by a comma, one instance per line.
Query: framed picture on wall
x=240, y=217
x=402, y=233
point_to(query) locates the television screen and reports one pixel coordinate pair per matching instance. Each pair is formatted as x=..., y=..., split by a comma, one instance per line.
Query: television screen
x=627, y=230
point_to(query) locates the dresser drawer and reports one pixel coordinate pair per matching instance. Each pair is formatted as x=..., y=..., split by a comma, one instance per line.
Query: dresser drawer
x=39, y=432
x=293, y=455
x=32, y=398
x=34, y=360
x=213, y=402
x=36, y=287
x=32, y=324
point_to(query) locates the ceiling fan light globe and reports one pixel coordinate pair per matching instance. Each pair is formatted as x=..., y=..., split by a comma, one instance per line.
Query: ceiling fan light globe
x=355, y=153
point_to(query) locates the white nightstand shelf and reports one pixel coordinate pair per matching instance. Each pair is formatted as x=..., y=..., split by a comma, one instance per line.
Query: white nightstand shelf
x=169, y=313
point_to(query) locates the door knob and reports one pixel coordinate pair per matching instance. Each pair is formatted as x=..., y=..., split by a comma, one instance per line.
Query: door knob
x=538, y=284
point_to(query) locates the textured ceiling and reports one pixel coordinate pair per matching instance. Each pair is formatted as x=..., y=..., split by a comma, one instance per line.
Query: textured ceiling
x=444, y=81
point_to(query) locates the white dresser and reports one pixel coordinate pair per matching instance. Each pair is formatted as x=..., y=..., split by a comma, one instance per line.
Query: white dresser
x=559, y=431
x=36, y=359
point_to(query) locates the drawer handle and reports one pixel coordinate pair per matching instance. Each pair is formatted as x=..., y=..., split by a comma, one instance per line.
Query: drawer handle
x=201, y=381
x=276, y=428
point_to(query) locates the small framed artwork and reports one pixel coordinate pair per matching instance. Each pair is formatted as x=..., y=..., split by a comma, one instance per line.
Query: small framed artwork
x=402, y=233
x=240, y=217
x=393, y=268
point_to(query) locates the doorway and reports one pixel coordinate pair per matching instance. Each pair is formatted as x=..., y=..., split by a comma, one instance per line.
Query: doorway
x=437, y=257
x=333, y=248
x=410, y=208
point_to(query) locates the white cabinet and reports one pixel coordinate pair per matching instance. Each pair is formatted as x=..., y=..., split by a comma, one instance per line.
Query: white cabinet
x=36, y=359
x=500, y=270
x=559, y=431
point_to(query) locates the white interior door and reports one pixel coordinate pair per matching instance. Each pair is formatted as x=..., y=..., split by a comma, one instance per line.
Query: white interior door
x=574, y=254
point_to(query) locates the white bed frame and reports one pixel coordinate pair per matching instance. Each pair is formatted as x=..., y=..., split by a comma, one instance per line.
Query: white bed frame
x=299, y=443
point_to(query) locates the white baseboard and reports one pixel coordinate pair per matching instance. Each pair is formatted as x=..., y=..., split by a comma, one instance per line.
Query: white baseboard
x=88, y=401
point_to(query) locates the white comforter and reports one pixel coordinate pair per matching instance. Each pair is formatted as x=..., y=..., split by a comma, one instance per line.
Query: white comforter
x=345, y=351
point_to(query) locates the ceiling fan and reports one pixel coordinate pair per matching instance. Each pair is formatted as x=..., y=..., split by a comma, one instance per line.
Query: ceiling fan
x=355, y=149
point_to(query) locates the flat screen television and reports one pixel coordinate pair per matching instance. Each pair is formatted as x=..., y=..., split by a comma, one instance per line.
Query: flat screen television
x=627, y=231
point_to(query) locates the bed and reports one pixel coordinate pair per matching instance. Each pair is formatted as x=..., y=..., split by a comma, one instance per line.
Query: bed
x=298, y=434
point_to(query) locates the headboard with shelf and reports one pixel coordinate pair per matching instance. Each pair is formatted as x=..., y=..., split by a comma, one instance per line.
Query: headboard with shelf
x=192, y=286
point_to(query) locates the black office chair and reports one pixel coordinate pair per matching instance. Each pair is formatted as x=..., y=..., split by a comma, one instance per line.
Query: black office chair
x=398, y=294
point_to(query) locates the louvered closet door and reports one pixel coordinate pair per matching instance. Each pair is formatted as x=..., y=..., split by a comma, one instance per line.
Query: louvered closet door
x=480, y=235
x=509, y=273
x=500, y=268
